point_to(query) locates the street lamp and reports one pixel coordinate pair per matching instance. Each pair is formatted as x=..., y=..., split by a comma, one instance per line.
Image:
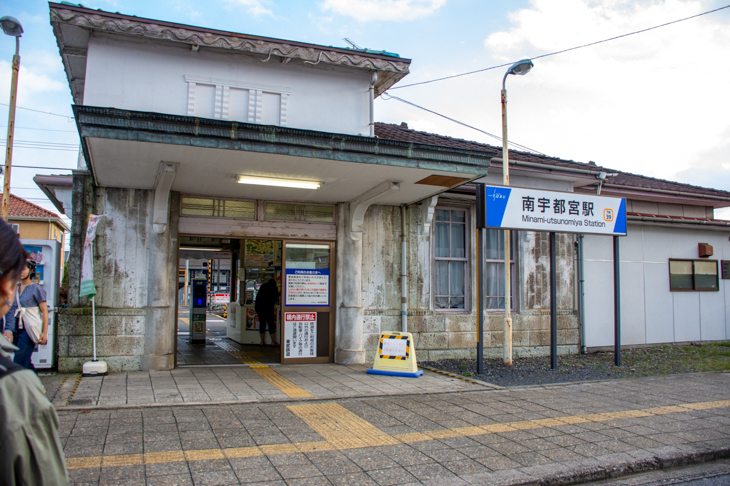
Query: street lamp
x=521, y=68
x=11, y=27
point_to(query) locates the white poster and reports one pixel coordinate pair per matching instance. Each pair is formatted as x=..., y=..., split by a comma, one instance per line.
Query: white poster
x=300, y=334
x=307, y=287
x=394, y=347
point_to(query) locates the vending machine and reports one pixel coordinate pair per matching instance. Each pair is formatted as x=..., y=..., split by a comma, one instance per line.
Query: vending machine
x=47, y=256
x=198, y=309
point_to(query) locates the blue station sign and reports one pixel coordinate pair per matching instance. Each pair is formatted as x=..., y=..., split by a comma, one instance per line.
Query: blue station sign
x=560, y=212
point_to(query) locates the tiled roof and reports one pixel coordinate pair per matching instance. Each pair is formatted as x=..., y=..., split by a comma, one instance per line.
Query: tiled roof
x=404, y=134
x=21, y=207
x=649, y=183
x=709, y=221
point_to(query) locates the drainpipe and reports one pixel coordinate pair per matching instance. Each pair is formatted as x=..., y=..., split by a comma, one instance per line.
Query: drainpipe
x=403, y=272
x=581, y=296
x=601, y=177
x=372, y=103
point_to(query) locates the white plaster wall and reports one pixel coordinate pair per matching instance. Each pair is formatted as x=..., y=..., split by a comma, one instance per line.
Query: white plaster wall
x=650, y=313
x=149, y=76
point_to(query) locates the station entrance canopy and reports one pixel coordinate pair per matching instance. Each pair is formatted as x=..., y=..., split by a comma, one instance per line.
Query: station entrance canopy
x=126, y=149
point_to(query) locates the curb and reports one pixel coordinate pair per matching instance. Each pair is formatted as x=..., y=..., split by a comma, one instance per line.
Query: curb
x=611, y=466
x=571, y=383
x=124, y=406
x=463, y=378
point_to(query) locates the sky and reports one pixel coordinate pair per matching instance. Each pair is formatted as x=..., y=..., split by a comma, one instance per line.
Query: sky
x=654, y=103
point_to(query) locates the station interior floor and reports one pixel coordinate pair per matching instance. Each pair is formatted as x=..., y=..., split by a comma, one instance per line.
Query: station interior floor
x=218, y=349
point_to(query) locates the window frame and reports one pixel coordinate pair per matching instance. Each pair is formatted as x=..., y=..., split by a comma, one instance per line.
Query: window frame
x=514, y=237
x=694, y=285
x=265, y=202
x=216, y=205
x=467, y=260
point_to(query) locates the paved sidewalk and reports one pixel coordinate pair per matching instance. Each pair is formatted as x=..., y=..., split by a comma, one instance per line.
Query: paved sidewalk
x=243, y=384
x=540, y=435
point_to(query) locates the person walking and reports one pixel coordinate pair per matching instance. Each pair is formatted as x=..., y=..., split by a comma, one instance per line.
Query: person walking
x=30, y=447
x=266, y=299
x=27, y=318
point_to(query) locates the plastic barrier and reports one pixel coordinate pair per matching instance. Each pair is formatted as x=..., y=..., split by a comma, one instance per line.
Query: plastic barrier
x=396, y=356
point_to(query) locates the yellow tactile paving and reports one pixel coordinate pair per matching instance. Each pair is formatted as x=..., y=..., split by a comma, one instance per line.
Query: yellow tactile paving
x=184, y=319
x=287, y=387
x=242, y=356
x=339, y=426
x=342, y=429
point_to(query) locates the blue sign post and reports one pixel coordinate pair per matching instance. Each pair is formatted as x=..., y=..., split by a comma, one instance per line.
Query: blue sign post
x=512, y=208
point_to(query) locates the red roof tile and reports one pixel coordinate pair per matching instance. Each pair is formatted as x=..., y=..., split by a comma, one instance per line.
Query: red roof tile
x=21, y=207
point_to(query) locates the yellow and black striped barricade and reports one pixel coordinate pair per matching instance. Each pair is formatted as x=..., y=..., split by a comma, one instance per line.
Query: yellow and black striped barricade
x=396, y=356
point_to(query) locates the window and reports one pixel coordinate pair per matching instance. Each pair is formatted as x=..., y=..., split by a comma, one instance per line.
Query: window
x=494, y=269
x=451, y=262
x=688, y=275
x=222, y=208
x=299, y=212
x=230, y=100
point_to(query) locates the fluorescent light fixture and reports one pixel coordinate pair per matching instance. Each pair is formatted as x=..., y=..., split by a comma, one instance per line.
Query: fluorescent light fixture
x=268, y=181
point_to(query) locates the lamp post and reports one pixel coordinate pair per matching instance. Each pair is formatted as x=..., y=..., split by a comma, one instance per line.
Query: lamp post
x=11, y=27
x=521, y=68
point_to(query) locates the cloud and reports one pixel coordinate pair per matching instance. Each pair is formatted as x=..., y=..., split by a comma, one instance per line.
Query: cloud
x=648, y=103
x=370, y=10
x=33, y=79
x=254, y=7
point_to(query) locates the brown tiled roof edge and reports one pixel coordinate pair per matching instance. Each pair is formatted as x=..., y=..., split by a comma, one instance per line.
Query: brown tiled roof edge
x=633, y=181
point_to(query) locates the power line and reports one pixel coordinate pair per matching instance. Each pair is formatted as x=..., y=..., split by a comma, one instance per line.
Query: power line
x=389, y=96
x=31, y=144
x=39, y=167
x=41, y=129
x=39, y=111
x=3, y=141
x=565, y=50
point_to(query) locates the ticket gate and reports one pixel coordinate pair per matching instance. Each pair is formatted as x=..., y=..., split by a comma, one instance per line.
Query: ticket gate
x=198, y=310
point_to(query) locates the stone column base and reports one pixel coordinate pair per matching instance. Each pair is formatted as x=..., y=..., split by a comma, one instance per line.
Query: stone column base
x=349, y=356
x=157, y=363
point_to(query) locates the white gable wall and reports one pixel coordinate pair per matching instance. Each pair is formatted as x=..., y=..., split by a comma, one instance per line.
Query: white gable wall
x=650, y=312
x=143, y=75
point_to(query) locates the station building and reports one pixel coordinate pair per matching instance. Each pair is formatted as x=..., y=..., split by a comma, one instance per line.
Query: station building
x=267, y=151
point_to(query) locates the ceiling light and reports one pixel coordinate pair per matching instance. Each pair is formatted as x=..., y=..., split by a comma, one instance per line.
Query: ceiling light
x=268, y=181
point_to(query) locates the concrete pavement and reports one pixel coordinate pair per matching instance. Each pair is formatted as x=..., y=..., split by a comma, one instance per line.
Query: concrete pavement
x=539, y=435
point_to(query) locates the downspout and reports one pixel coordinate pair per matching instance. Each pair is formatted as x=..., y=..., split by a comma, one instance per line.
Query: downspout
x=403, y=272
x=601, y=177
x=372, y=103
x=581, y=296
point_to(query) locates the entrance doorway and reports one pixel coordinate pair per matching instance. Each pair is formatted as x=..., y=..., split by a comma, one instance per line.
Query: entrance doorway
x=236, y=270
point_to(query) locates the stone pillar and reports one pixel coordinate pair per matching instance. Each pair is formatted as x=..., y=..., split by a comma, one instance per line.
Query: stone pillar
x=159, y=346
x=83, y=197
x=348, y=334
x=349, y=327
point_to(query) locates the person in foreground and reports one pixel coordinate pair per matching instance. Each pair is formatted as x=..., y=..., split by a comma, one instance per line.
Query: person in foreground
x=30, y=448
x=27, y=318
